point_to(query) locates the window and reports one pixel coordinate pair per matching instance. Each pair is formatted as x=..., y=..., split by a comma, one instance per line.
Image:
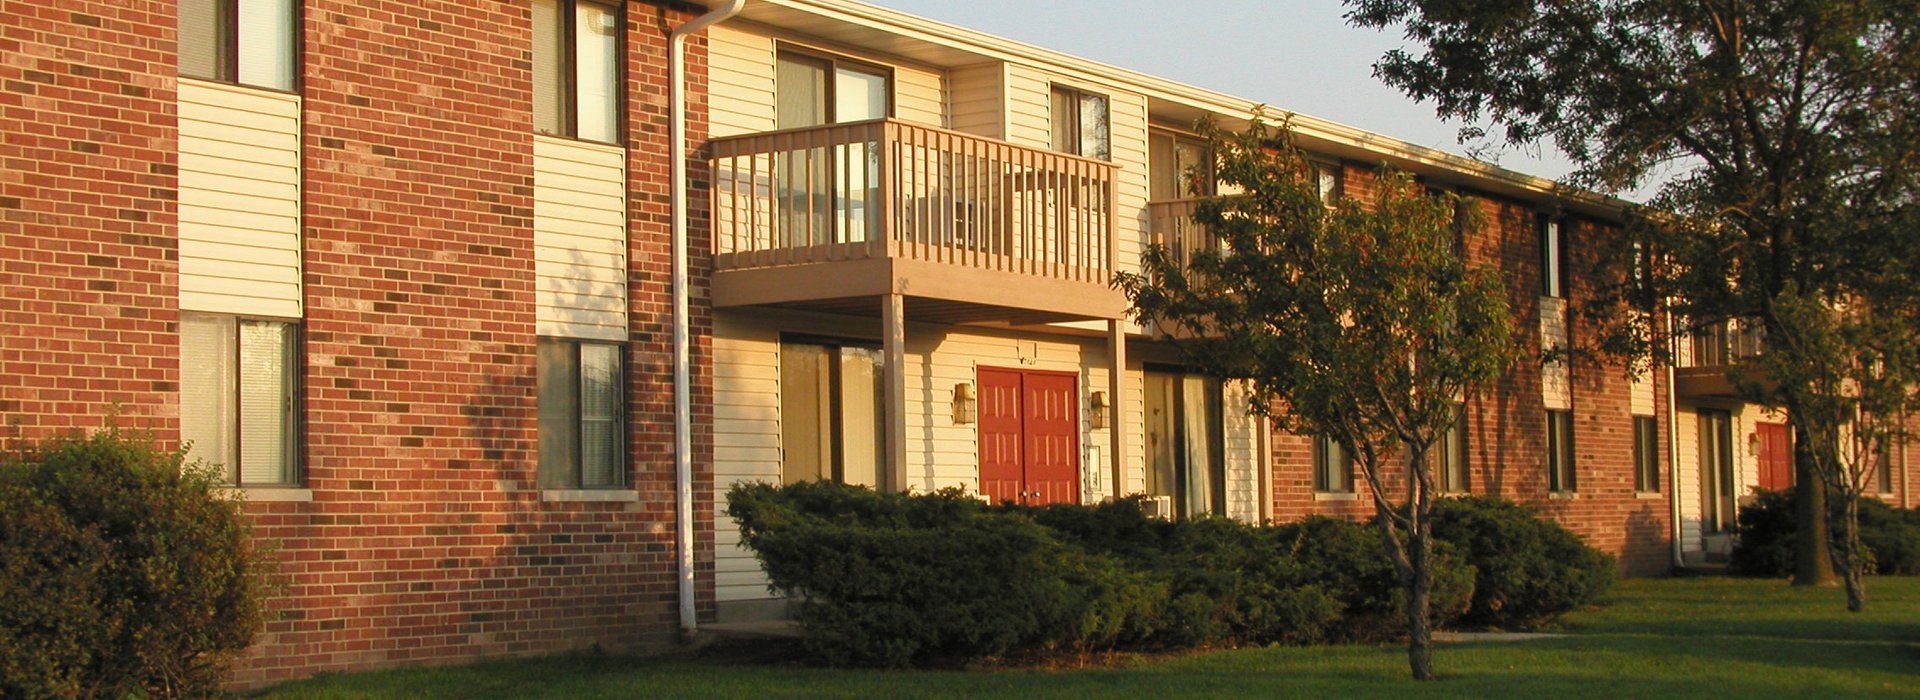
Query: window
x=832, y=411
x=827, y=194
x=582, y=415
x=1080, y=123
x=1329, y=180
x=239, y=383
x=250, y=42
x=576, y=69
x=1455, y=473
x=1553, y=258
x=1717, y=472
x=1332, y=467
x=1186, y=442
x=1560, y=472
x=1883, y=469
x=1646, y=455
x=1178, y=166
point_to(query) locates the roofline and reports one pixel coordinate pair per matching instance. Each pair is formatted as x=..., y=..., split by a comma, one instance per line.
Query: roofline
x=1389, y=148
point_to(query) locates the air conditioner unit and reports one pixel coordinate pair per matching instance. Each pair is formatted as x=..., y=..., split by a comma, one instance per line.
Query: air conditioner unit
x=1158, y=507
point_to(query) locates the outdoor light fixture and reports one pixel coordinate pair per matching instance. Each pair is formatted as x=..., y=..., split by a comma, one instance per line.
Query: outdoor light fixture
x=1097, y=413
x=963, y=403
x=1753, y=444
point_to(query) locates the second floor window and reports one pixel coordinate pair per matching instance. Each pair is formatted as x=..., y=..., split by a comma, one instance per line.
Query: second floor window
x=1553, y=258
x=1080, y=124
x=576, y=69
x=249, y=42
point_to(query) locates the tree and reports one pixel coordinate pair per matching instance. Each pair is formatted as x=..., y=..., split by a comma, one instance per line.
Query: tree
x=1359, y=323
x=1789, y=133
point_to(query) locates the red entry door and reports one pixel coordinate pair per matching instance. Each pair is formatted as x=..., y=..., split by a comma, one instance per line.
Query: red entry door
x=1029, y=436
x=1776, y=455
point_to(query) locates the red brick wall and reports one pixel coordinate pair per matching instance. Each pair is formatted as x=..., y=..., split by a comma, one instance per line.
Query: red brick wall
x=88, y=283
x=1507, y=421
x=426, y=540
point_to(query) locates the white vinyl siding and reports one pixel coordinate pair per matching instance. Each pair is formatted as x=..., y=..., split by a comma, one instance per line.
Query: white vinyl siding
x=919, y=95
x=975, y=99
x=740, y=92
x=580, y=239
x=239, y=200
x=1029, y=117
x=1556, y=384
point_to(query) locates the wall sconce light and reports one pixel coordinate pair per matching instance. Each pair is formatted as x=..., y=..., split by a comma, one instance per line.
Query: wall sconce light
x=963, y=403
x=1753, y=444
x=1097, y=412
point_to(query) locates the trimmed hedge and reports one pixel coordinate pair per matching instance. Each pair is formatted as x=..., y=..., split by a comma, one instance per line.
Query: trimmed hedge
x=1765, y=537
x=1529, y=570
x=942, y=579
x=121, y=574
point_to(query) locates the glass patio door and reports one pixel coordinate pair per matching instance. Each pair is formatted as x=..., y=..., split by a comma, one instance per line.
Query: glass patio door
x=828, y=193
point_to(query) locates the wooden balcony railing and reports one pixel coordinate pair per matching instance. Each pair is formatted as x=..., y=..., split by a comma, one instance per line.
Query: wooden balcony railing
x=892, y=189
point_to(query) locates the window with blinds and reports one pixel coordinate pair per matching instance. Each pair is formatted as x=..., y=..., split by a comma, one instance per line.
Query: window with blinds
x=238, y=394
x=249, y=42
x=576, y=69
x=1560, y=472
x=582, y=409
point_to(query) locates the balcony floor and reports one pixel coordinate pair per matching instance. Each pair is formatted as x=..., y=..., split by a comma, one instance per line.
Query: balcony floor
x=935, y=292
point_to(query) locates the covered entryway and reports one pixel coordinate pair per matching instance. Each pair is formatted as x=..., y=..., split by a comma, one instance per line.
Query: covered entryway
x=1029, y=436
x=1775, y=455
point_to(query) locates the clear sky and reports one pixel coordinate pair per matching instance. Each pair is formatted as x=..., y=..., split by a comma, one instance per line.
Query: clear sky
x=1296, y=55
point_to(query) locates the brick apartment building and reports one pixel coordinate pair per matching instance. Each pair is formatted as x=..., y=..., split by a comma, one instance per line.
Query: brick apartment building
x=406, y=271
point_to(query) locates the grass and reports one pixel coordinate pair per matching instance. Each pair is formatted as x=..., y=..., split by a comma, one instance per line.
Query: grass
x=1650, y=638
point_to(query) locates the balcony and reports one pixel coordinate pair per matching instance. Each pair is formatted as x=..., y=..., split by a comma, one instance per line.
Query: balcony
x=962, y=228
x=1714, y=363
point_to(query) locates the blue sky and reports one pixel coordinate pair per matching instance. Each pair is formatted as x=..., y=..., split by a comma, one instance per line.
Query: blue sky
x=1291, y=54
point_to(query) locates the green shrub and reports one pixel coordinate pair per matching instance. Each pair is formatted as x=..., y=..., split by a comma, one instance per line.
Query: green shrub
x=1765, y=537
x=1229, y=582
x=1529, y=570
x=893, y=580
x=1764, y=542
x=1350, y=560
x=120, y=573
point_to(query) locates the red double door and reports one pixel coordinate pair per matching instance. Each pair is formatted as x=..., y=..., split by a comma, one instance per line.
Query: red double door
x=1029, y=436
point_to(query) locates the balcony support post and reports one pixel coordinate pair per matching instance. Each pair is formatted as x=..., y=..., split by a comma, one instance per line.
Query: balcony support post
x=893, y=324
x=1117, y=405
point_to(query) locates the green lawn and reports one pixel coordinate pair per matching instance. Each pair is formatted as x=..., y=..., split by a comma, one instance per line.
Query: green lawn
x=1652, y=638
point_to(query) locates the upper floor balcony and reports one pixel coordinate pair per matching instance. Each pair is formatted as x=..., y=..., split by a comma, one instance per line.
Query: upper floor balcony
x=967, y=229
x=1713, y=360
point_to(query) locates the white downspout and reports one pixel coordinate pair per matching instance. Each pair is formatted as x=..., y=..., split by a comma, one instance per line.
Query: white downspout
x=1673, y=447
x=682, y=343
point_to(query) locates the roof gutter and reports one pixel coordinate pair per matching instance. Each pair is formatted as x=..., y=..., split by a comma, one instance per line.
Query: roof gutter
x=677, y=153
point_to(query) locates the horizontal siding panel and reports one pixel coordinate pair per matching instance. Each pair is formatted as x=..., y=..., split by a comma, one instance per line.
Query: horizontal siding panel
x=245, y=255
x=740, y=74
x=580, y=239
x=239, y=200
x=226, y=302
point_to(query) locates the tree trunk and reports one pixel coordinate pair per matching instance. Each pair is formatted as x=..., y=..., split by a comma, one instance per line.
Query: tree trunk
x=1420, y=604
x=1847, y=559
x=1812, y=550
